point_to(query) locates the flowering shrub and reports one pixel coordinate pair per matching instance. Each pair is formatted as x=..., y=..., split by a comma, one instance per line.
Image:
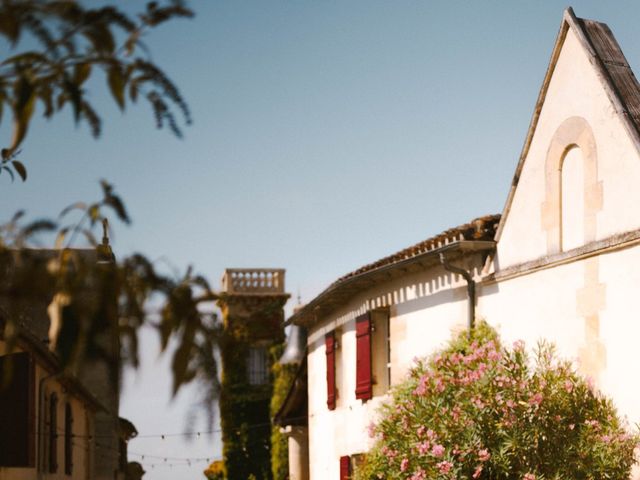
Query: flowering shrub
x=478, y=410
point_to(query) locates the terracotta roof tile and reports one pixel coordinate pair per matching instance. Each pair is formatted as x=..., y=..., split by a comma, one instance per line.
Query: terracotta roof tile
x=482, y=228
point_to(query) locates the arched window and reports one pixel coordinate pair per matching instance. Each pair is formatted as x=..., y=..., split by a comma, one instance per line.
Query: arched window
x=68, y=442
x=53, y=433
x=572, y=212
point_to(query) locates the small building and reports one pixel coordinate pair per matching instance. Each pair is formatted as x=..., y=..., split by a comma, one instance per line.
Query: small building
x=562, y=262
x=57, y=422
x=46, y=419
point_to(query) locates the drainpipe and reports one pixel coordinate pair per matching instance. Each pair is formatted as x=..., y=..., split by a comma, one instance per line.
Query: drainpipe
x=471, y=288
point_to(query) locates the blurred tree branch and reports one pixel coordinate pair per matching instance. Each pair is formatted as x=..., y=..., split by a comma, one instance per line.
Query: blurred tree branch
x=58, y=45
x=95, y=296
x=66, y=44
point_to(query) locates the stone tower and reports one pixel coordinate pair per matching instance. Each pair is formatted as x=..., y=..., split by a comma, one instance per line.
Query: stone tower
x=252, y=302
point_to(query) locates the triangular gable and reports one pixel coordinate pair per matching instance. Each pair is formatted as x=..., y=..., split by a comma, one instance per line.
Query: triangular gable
x=597, y=55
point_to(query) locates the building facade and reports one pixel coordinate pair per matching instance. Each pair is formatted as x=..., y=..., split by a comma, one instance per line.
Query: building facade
x=562, y=262
x=47, y=420
x=57, y=419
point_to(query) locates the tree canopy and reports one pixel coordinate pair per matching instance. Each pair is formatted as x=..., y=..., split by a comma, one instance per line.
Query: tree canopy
x=58, y=45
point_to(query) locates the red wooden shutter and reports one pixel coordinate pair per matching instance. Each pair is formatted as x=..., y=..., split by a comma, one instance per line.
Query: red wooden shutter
x=363, y=357
x=330, y=347
x=345, y=468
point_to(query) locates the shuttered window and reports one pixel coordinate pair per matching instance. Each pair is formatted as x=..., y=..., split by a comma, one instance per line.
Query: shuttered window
x=330, y=349
x=68, y=440
x=364, y=389
x=53, y=433
x=17, y=410
x=345, y=468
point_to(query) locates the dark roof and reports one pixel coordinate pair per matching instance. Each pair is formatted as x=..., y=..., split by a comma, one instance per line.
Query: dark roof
x=615, y=66
x=28, y=309
x=37, y=347
x=612, y=66
x=473, y=236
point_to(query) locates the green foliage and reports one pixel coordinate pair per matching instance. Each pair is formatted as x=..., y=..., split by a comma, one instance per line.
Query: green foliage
x=283, y=376
x=57, y=47
x=479, y=410
x=215, y=471
x=72, y=42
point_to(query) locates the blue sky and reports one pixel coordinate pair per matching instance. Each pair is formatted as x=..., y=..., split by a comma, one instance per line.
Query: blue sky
x=326, y=135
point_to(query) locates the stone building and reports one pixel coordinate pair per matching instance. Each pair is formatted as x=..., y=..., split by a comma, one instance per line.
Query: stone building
x=251, y=302
x=562, y=262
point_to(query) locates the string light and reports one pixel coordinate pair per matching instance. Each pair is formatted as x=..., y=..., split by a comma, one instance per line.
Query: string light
x=165, y=436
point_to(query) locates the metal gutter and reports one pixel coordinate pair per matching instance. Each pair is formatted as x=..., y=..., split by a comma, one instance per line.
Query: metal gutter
x=471, y=288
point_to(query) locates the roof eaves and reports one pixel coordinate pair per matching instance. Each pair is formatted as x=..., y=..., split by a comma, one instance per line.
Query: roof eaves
x=341, y=290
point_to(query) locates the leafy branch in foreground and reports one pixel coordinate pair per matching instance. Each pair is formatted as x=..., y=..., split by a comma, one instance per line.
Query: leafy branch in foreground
x=72, y=42
x=90, y=295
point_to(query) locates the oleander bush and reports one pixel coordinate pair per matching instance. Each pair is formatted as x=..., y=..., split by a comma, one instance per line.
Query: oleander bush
x=481, y=410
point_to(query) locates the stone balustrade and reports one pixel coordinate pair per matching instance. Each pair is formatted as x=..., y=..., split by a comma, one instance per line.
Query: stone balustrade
x=253, y=281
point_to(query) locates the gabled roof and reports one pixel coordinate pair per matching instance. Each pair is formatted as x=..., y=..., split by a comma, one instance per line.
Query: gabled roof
x=617, y=77
x=474, y=236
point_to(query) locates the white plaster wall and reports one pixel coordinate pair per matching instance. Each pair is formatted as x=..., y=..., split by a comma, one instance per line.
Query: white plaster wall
x=575, y=89
x=424, y=310
x=546, y=304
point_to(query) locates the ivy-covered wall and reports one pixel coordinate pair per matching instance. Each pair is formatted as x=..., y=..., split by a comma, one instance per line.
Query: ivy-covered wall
x=244, y=408
x=283, y=376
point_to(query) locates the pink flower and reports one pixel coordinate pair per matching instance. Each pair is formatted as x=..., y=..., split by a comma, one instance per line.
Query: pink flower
x=535, y=399
x=529, y=476
x=437, y=450
x=404, y=464
x=371, y=429
x=494, y=355
x=477, y=472
x=444, y=466
x=483, y=455
x=518, y=345
x=419, y=475
x=423, y=447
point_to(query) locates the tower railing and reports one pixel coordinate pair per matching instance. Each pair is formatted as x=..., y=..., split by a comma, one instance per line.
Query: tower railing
x=253, y=280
